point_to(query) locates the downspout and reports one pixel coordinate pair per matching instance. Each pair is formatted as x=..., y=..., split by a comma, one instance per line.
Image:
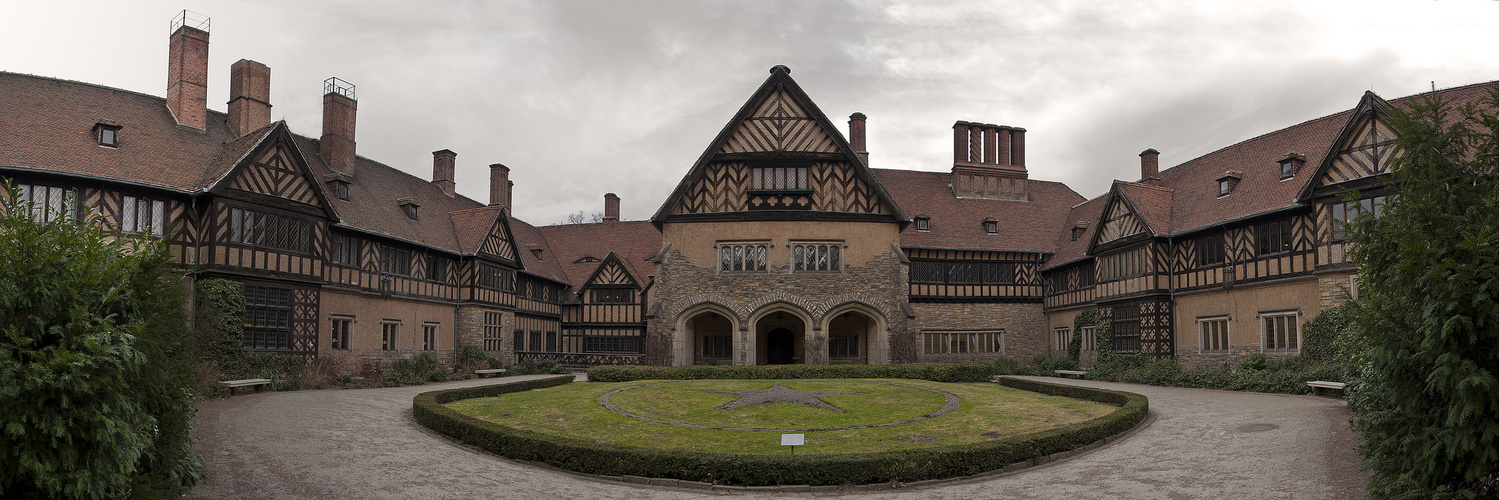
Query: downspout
x=1171, y=292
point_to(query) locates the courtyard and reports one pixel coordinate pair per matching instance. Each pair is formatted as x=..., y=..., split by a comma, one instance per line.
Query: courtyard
x=364, y=444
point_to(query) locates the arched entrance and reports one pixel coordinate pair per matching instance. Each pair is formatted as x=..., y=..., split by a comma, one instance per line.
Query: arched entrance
x=850, y=338
x=712, y=339
x=780, y=338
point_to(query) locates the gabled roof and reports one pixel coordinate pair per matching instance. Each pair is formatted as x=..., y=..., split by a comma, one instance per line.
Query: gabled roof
x=1152, y=204
x=537, y=255
x=1024, y=226
x=1196, y=204
x=48, y=127
x=779, y=81
x=1069, y=249
x=632, y=241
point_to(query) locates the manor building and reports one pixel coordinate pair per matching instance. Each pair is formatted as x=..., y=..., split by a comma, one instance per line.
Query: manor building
x=779, y=245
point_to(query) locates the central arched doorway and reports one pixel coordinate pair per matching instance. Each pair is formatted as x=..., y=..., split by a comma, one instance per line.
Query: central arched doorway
x=850, y=338
x=780, y=338
x=780, y=347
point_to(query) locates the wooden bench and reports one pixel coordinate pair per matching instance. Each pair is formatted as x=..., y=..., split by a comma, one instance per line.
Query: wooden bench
x=1072, y=373
x=257, y=383
x=493, y=371
x=1318, y=386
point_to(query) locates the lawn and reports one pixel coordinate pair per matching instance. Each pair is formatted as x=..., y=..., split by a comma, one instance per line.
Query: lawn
x=988, y=411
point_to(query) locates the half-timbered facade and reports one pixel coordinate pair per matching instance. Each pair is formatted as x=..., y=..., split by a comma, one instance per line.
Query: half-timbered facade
x=779, y=245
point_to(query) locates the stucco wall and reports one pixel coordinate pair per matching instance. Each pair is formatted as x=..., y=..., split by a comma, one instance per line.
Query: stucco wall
x=1242, y=305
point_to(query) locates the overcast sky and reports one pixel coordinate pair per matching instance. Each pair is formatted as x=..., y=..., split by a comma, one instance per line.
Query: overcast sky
x=580, y=98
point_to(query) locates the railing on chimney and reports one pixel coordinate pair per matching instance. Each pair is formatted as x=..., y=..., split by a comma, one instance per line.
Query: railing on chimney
x=190, y=19
x=336, y=85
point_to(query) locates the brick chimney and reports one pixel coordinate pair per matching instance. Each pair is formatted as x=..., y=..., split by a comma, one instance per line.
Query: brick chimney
x=499, y=185
x=187, y=71
x=442, y=170
x=339, y=109
x=611, y=207
x=1150, y=167
x=856, y=136
x=249, y=96
x=989, y=162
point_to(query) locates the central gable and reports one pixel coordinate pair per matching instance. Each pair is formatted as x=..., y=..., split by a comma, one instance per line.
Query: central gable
x=611, y=272
x=779, y=124
x=779, y=158
x=498, y=244
x=273, y=168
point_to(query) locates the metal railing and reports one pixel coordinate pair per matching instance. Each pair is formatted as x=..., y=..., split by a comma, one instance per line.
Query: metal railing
x=336, y=85
x=190, y=19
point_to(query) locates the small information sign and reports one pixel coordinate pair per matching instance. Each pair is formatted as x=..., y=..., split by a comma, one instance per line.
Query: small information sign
x=793, y=439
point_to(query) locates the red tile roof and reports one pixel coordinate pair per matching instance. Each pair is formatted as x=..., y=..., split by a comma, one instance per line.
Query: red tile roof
x=958, y=223
x=632, y=241
x=48, y=126
x=1068, y=249
x=1151, y=203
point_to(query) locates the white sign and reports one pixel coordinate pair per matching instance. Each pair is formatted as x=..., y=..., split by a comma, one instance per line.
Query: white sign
x=793, y=439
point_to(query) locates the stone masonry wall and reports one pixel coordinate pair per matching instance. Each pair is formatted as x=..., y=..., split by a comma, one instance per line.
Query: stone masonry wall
x=879, y=284
x=1024, y=326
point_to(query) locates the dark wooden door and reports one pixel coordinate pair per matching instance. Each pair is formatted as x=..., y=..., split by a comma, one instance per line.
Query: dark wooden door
x=779, y=347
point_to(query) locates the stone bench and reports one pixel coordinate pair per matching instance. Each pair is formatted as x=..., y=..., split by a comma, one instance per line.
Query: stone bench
x=493, y=371
x=1072, y=373
x=257, y=383
x=1319, y=386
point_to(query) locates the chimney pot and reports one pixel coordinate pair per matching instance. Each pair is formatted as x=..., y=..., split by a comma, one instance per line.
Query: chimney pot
x=499, y=185
x=187, y=73
x=1017, y=146
x=249, y=96
x=856, y=136
x=960, y=142
x=1150, y=167
x=443, y=161
x=611, y=207
x=339, y=111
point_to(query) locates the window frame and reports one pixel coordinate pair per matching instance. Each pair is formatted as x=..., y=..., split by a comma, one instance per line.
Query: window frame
x=780, y=179
x=134, y=208
x=923, y=223
x=390, y=334
x=718, y=346
x=1289, y=323
x=734, y=256
x=844, y=346
x=977, y=272
x=340, y=328
x=1270, y=235
x=611, y=295
x=1209, y=327
x=977, y=342
x=1220, y=250
x=430, y=332
x=267, y=318
x=817, y=256
x=492, y=331
x=1224, y=188
x=63, y=205
x=107, y=135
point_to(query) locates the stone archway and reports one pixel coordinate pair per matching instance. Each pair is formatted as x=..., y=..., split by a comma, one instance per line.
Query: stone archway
x=711, y=339
x=851, y=336
x=786, y=332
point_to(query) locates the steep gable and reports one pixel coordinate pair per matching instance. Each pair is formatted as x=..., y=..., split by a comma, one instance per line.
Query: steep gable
x=1363, y=149
x=498, y=243
x=272, y=167
x=611, y=272
x=1119, y=223
x=779, y=154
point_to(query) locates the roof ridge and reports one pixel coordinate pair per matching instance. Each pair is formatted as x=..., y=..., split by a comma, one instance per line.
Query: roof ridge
x=98, y=86
x=456, y=195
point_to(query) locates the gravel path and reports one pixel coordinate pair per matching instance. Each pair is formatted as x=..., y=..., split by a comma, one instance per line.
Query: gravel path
x=364, y=444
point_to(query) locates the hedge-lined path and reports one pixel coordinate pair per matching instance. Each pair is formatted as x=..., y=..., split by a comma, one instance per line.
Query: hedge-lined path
x=364, y=444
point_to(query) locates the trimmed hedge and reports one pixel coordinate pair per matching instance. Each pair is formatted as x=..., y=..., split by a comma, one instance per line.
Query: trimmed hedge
x=813, y=469
x=936, y=372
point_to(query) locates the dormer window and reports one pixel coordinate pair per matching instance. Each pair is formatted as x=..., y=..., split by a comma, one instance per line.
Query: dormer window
x=342, y=189
x=1227, y=183
x=1290, y=164
x=409, y=207
x=991, y=226
x=107, y=135
x=923, y=223
x=1079, y=229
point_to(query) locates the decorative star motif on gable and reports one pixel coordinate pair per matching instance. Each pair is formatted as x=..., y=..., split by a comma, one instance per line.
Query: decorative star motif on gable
x=780, y=392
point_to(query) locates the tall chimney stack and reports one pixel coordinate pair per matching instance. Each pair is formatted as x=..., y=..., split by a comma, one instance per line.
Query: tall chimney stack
x=989, y=162
x=249, y=96
x=339, y=110
x=1017, y=147
x=187, y=70
x=611, y=207
x=1150, y=166
x=442, y=170
x=856, y=136
x=499, y=185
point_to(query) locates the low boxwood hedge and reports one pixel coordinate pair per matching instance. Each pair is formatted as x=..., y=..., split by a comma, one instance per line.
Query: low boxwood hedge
x=813, y=469
x=936, y=372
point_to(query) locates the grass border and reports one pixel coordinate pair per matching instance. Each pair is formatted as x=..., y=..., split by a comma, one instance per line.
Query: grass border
x=763, y=470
